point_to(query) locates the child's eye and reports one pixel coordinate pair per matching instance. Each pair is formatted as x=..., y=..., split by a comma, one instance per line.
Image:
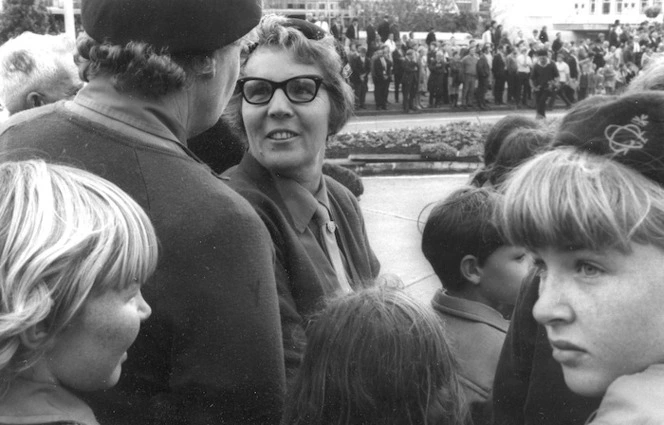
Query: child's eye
x=587, y=269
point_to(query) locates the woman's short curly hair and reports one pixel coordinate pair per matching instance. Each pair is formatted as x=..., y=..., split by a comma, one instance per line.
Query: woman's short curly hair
x=322, y=52
x=138, y=67
x=65, y=235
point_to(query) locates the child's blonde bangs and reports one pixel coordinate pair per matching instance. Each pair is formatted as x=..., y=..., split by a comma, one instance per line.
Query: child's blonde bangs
x=570, y=199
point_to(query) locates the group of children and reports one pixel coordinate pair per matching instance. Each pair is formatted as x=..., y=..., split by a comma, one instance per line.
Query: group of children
x=575, y=212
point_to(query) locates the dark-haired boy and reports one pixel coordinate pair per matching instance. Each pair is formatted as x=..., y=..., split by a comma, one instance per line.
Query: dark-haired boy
x=481, y=276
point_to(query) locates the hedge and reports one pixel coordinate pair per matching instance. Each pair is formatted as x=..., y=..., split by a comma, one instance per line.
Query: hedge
x=454, y=141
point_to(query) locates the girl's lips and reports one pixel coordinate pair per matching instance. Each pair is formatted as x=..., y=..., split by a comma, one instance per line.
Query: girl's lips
x=567, y=353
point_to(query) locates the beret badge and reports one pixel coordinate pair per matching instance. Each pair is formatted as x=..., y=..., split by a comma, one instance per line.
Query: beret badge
x=625, y=138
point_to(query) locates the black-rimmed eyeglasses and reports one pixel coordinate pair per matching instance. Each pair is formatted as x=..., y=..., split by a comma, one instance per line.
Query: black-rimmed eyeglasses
x=300, y=89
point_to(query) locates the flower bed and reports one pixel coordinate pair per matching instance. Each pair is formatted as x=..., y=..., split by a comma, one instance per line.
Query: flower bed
x=455, y=141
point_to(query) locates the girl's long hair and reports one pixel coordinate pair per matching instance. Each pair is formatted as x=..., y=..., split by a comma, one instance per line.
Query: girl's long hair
x=376, y=357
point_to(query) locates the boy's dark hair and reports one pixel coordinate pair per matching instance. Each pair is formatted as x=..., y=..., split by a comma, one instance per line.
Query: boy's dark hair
x=460, y=225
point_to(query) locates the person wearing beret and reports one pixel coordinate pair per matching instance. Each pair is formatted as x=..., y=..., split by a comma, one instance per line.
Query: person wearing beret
x=292, y=97
x=158, y=74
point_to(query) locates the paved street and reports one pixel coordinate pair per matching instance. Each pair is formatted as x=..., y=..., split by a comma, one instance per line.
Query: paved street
x=391, y=207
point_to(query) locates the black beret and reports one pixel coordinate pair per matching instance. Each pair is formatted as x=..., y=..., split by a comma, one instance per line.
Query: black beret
x=542, y=52
x=178, y=25
x=628, y=129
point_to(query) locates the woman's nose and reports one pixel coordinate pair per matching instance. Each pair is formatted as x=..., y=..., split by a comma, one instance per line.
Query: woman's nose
x=280, y=105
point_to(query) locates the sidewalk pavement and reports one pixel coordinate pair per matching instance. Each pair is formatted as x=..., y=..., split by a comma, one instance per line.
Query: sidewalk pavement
x=395, y=210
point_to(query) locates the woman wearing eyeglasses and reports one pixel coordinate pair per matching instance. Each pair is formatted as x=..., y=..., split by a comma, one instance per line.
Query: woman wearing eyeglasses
x=292, y=97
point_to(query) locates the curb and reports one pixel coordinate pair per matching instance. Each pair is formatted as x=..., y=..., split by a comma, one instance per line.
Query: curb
x=392, y=168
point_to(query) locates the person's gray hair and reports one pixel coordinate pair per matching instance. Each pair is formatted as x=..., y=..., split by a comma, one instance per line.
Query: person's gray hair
x=31, y=61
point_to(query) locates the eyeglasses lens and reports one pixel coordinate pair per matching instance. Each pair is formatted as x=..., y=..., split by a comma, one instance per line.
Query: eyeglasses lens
x=298, y=90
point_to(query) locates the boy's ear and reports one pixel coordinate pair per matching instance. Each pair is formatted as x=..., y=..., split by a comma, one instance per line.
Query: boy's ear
x=33, y=337
x=470, y=269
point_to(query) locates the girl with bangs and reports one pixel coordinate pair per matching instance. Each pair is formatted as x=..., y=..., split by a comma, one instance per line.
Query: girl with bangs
x=592, y=212
x=75, y=251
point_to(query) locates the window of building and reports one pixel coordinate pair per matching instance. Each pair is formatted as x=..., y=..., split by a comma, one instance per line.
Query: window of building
x=592, y=6
x=657, y=3
x=619, y=6
x=644, y=5
x=606, y=7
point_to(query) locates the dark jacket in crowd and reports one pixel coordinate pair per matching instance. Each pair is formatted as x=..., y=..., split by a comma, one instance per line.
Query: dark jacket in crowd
x=211, y=351
x=299, y=268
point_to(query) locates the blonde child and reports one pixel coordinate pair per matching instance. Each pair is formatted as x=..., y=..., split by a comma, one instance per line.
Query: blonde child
x=75, y=251
x=376, y=357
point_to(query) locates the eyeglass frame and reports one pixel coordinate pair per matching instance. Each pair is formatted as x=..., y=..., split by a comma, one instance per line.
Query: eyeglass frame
x=317, y=79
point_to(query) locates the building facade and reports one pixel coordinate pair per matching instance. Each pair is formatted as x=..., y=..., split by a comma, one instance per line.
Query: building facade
x=574, y=18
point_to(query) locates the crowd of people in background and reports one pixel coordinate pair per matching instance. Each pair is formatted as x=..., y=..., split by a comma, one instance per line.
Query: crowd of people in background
x=139, y=285
x=495, y=68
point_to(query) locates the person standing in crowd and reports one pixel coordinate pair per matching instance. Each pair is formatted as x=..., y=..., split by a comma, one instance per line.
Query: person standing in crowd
x=543, y=36
x=36, y=70
x=150, y=88
x=562, y=87
x=431, y=36
x=487, y=35
x=292, y=98
x=454, y=77
x=483, y=78
x=360, y=66
x=335, y=30
x=384, y=28
x=543, y=80
x=469, y=77
x=556, y=46
x=437, y=79
x=524, y=67
x=371, y=37
x=498, y=69
x=394, y=28
x=571, y=58
x=423, y=79
x=410, y=75
x=511, y=69
x=353, y=31
x=398, y=57
x=381, y=75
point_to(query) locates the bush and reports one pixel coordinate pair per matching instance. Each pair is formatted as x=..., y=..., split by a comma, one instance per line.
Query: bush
x=455, y=141
x=19, y=16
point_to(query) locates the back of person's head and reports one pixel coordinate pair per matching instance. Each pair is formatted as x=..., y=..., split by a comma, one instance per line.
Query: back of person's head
x=460, y=225
x=37, y=69
x=65, y=236
x=518, y=147
x=500, y=130
x=379, y=357
x=148, y=48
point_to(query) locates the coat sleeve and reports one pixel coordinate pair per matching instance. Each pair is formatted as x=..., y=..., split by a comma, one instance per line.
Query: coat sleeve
x=512, y=380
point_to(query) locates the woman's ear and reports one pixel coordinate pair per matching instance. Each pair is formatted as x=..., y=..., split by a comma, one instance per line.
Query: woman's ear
x=470, y=269
x=34, y=336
